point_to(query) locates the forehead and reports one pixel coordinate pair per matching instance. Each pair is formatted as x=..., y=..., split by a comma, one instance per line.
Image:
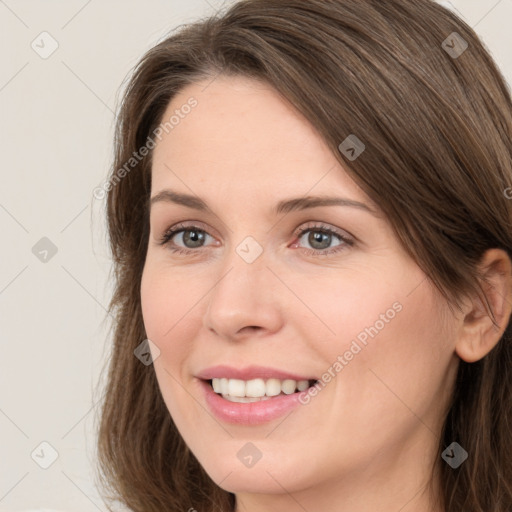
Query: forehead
x=243, y=136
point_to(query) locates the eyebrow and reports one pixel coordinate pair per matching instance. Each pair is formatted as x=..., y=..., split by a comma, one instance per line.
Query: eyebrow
x=285, y=206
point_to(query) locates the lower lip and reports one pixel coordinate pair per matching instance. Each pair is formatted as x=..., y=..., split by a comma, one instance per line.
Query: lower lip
x=251, y=413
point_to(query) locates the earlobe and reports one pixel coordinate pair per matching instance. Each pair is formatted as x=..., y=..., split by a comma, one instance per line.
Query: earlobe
x=478, y=334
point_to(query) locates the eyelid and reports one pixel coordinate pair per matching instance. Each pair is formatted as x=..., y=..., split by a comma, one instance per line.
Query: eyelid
x=321, y=225
x=188, y=224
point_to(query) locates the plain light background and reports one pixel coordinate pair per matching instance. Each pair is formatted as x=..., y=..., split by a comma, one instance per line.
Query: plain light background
x=56, y=128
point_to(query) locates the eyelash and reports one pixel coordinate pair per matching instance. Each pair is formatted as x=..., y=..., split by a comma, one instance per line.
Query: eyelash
x=322, y=228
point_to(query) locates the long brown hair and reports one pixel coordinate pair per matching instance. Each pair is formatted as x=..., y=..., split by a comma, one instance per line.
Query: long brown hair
x=436, y=120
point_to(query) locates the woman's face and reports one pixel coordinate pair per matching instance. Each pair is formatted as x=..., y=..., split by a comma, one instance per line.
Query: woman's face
x=348, y=308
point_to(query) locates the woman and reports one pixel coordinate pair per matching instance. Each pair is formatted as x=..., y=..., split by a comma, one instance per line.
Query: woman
x=311, y=235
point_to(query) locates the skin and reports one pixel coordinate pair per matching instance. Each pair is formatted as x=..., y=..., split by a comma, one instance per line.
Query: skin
x=368, y=439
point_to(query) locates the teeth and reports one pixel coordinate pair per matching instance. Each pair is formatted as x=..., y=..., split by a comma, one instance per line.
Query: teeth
x=252, y=390
x=288, y=386
x=255, y=388
x=216, y=385
x=273, y=387
x=236, y=387
x=302, y=385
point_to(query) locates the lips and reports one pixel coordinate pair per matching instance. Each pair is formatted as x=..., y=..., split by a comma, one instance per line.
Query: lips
x=253, y=411
x=249, y=414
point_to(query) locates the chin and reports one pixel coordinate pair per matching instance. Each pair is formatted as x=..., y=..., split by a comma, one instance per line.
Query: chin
x=269, y=475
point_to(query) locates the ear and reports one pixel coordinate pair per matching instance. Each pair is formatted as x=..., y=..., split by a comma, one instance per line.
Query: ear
x=478, y=335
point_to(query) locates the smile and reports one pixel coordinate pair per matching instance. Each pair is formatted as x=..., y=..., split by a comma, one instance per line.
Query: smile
x=255, y=390
x=253, y=410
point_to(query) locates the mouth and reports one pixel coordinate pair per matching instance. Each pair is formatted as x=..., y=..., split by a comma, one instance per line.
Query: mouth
x=257, y=390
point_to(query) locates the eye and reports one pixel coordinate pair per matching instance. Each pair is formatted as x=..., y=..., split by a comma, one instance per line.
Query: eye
x=192, y=235
x=320, y=238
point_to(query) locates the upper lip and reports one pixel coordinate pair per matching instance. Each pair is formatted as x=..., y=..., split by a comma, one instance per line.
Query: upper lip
x=248, y=373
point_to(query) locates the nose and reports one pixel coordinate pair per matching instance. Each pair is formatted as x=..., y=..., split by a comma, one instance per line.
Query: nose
x=245, y=300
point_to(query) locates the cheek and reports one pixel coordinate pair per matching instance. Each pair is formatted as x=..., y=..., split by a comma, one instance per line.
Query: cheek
x=407, y=357
x=163, y=304
x=386, y=326
x=164, y=300
x=153, y=304
x=353, y=308
x=164, y=310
